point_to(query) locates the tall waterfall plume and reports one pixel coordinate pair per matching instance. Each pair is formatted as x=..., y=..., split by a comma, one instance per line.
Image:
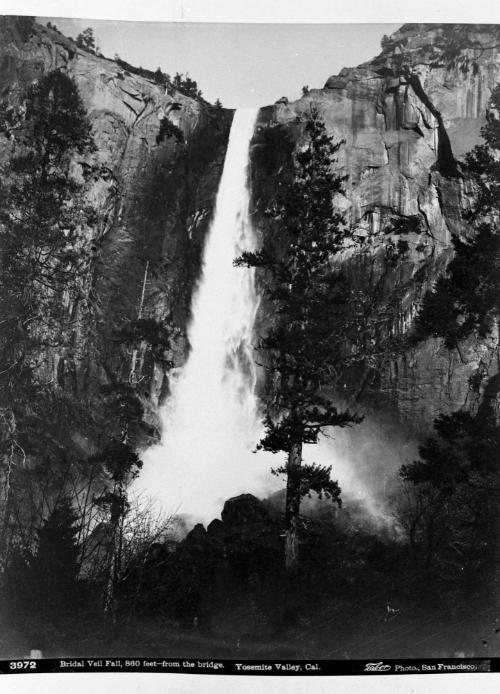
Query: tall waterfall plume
x=211, y=420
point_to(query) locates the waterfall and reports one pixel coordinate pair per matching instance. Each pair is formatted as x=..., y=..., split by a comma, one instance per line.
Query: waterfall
x=211, y=420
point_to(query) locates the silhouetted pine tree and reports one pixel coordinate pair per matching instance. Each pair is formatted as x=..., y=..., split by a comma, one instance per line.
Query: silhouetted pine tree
x=299, y=353
x=55, y=565
x=41, y=589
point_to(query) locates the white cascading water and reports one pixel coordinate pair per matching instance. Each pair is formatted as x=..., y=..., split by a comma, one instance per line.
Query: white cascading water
x=211, y=421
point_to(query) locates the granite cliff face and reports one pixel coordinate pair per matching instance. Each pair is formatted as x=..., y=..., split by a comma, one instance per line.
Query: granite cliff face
x=153, y=195
x=406, y=118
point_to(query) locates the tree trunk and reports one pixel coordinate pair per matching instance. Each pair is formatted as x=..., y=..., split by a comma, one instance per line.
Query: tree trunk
x=7, y=442
x=292, y=507
x=132, y=377
x=109, y=592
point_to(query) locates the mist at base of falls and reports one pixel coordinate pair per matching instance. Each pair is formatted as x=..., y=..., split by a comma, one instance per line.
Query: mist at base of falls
x=364, y=463
x=211, y=422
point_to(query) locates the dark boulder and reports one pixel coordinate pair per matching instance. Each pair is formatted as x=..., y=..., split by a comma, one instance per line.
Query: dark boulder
x=215, y=528
x=197, y=536
x=243, y=510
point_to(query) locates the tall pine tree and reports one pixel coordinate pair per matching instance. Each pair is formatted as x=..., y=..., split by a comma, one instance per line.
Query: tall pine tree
x=43, y=215
x=299, y=348
x=55, y=565
x=40, y=588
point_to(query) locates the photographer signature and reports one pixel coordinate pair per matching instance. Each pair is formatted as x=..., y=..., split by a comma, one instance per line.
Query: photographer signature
x=377, y=667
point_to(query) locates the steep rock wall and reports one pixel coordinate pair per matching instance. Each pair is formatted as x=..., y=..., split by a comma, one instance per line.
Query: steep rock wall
x=406, y=117
x=153, y=199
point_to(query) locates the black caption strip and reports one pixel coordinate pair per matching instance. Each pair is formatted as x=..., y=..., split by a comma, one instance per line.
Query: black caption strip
x=253, y=667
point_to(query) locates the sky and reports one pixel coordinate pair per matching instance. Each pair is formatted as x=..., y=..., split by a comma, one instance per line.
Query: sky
x=243, y=65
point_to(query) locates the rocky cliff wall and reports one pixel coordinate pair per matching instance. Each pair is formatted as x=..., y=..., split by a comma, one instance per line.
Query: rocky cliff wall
x=154, y=197
x=406, y=118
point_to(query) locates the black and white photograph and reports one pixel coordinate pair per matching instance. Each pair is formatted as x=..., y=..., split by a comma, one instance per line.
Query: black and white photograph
x=249, y=344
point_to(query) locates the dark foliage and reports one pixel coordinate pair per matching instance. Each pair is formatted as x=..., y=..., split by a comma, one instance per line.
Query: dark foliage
x=42, y=587
x=168, y=130
x=483, y=164
x=132, y=69
x=467, y=449
x=153, y=335
x=25, y=25
x=124, y=414
x=120, y=461
x=86, y=40
x=454, y=38
x=122, y=464
x=57, y=117
x=386, y=42
x=161, y=77
x=456, y=498
x=315, y=478
x=466, y=299
x=185, y=85
x=55, y=563
x=180, y=83
x=405, y=225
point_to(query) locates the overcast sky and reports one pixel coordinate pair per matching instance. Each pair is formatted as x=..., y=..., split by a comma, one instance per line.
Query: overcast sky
x=241, y=64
